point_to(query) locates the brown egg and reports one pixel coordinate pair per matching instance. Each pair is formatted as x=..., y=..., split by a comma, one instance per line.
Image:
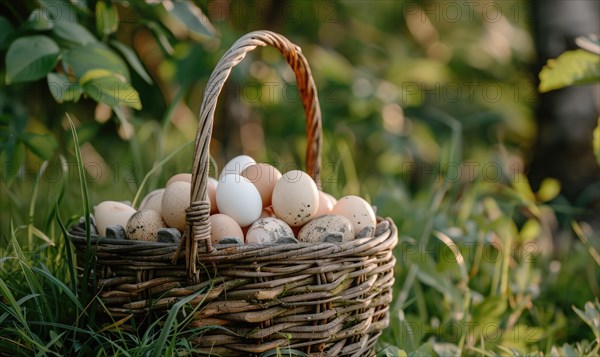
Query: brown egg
x=175, y=200
x=267, y=212
x=212, y=195
x=185, y=177
x=317, y=229
x=325, y=204
x=357, y=210
x=222, y=226
x=111, y=213
x=295, y=198
x=144, y=225
x=153, y=201
x=267, y=231
x=264, y=177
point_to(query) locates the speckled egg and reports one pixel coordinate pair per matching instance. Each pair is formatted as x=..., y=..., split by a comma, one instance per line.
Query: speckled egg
x=295, y=198
x=153, y=200
x=144, y=225
x=175, y=200
x=357, y=210
x=222, y=226
x=316, y=230
x=184, y=177
x=111, y=213
x=264, y=177
x=267, y=231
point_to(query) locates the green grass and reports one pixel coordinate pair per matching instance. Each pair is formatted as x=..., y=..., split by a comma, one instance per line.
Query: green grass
x=474, y=276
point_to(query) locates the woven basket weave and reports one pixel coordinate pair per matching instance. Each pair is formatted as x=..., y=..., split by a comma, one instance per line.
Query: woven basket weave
x=323, y=299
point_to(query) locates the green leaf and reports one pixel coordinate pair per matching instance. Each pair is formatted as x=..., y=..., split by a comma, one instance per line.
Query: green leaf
x=39, y=20
x=109, y=88
x=72, y=33
x=531, y=230
x=186, y=17
x=107, y=18
x=133, y=60
x=62, y=89
x=82, y=59
x=549, y=189
x=30, y=58
x=161, y=36
x=591, y=316
x=6, y=30
x=570, y=68
x=42, y=145
x=59, y=10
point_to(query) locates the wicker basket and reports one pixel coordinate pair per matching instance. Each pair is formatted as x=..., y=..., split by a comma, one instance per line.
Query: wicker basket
x=322, y=299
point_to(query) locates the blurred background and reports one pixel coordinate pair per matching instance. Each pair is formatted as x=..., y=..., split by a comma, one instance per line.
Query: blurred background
x=431, y=111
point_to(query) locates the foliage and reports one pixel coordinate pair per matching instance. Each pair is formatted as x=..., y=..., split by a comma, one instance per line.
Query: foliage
x=575, y=67
x=76, y=48
x=426, y=115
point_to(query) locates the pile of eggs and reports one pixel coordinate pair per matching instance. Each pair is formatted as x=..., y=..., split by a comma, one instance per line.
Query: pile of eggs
x=251, y=203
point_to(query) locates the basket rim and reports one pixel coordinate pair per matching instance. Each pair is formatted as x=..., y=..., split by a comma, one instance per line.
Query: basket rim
x=77, y=234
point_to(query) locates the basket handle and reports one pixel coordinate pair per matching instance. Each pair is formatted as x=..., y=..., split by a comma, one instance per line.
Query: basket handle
x=197, y=237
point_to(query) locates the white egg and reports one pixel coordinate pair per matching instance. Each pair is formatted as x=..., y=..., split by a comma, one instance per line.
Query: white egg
x=238, y=198
x=111, y=213
x=153, y=200
x=267, y=231
x=144, y=225
x=236, y=165
x=295, y=198
x=175, y=200
x=357, y=210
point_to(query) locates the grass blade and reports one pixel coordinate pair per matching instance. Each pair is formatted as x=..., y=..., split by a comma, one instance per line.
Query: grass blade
x=69, y=253
x=62, y=287
x=86, y=212
x=166, y=329
x=12, y=302
x=36, y=186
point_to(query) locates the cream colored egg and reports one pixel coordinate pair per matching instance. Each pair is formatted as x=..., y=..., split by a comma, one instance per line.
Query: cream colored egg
x=175, y=200
x=144, y=225
x=317, y=229
x=153, y=200
x=264, y=177
x=236, y=165
x=111, y=213
x=238, y=198
x=295, y=198
x=222, y=226
x=357, y=210
x=212, y=194
x=332, y=199
x=184, y=177
x=325, y=204
x=267, y=231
